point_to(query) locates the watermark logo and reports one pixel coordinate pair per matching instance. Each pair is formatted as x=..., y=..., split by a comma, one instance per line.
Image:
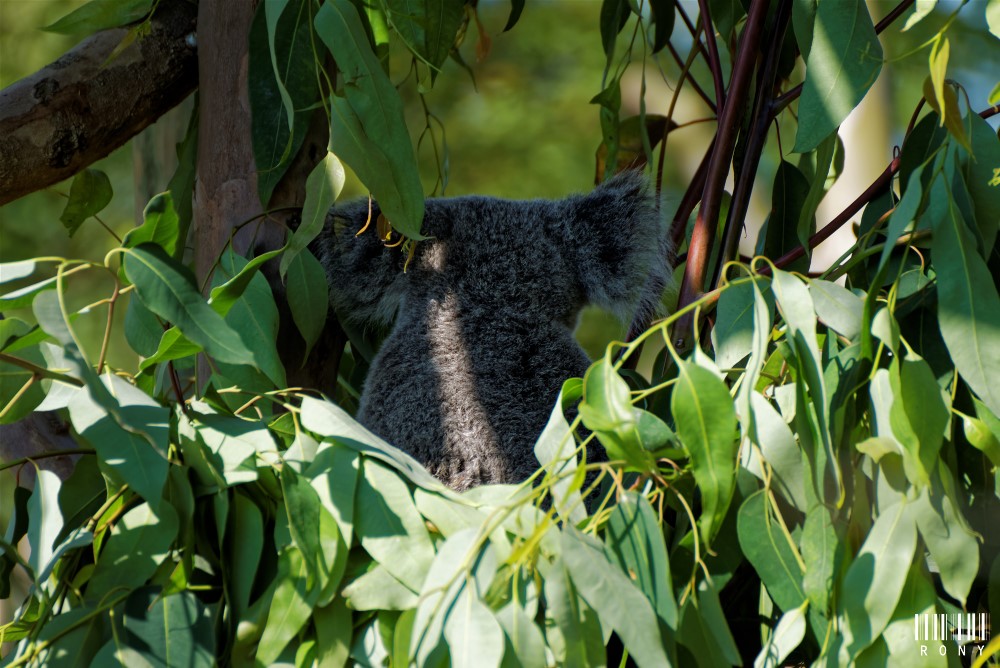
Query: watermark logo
x=968, y=633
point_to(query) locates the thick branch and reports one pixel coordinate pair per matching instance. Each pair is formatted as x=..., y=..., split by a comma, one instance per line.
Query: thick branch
x=87, y=103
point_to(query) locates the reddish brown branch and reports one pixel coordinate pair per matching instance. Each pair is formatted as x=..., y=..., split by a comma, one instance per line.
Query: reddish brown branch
x=713, y=55
x=757, y=137
x=870, y=193
x=703, y=234
x=88, y=103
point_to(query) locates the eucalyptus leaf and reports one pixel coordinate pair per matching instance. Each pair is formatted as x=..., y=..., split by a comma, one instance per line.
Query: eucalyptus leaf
x=706, y=424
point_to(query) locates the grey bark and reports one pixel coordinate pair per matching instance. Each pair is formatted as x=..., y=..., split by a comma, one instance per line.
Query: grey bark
x=86, y=104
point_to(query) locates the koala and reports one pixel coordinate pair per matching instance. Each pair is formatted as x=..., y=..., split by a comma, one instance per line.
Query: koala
x=484, y=315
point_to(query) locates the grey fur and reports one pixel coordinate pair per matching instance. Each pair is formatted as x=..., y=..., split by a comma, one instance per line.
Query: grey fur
x=484, y=316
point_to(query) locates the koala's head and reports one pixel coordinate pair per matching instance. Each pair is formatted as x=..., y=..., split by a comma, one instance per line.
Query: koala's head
x=539, y=258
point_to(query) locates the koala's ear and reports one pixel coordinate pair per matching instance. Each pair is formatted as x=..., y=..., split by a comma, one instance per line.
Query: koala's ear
x=366, y=279
x=619, y=243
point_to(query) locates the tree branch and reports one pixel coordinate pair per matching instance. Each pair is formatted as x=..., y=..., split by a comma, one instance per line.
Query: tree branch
x=718, y=168
x=713, y=55
x=757, y=137
x=91, y=101
x=870, y=193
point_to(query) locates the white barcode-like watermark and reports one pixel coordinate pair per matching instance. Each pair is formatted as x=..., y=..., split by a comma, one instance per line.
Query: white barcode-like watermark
x=968, y=631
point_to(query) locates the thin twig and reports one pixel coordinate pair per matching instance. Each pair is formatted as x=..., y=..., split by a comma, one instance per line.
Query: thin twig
x=44, y=455
x=107, y=329
x=40, y=370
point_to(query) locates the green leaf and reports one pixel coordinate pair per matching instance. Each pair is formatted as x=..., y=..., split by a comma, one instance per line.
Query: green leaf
x=89, y=193
x=333, y=633
x=984, y=433
x=323, y=186
x=918, y=599
x=843, y=61
x=389, y=526
x=874, y=582
x=803, y=21
x=334, y=475
x=223, y=296
x=635, y=538
x=993, y=17
x=618, y=603
x=290, y=608
x=732, y=335
x=787, y=635
x=817, y=188
x=45, y=519
x=168, y=290
x=25, y=296
x=123, y=453
x=706, y=424
x=13, y=271
x=172, y=346
x=100, y=14
x=557, y=447
x=627, y=433
x=308, y=297
x=245, y=538
x=775, y=444
x=904, y=215
x=525, y=642
x=74, y=638
x=331, y=421
x=704, y=631
x=939, y=69
x=160, y=226
x=282, y=88
x=980, y=173
x=457, y=580
x=303, y=508
x=140, y=541
x=473, y=634
x=377, y=589
x=838, y=308
x=572, y=629
x=663, y=22
x=428, y=27
x=922, y=10
x=516, y=7
x=821, y=553
x=169, y=630
x=367, y=127
x=949, y=539
x=788, y=199
x=770, y=551
x=142, y=330
x=968, y=303
x=614, y=15
x=255, y=316
x=811, y=412
x=918, y=416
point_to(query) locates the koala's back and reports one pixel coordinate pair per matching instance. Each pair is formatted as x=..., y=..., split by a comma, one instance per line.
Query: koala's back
x=467, y=396
x=482, y=335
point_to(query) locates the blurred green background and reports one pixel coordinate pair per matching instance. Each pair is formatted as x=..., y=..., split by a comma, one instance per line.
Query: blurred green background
x=527, y=128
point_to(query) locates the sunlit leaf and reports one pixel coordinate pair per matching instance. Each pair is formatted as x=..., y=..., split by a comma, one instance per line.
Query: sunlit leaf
x=843, y=61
